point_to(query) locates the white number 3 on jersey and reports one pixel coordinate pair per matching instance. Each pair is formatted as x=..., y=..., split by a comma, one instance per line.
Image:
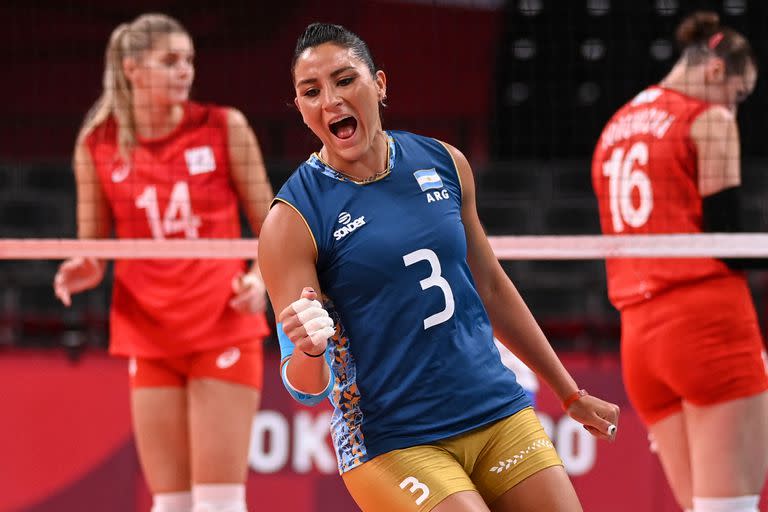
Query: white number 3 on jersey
x=435, y=279
x=178, y=216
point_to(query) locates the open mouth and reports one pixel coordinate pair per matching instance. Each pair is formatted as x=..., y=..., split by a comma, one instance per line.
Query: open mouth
x=344, y=128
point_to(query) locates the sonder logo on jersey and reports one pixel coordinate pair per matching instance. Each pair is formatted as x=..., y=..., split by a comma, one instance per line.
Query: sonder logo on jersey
x=200, y=160
x=428, y=179
x=348, y=225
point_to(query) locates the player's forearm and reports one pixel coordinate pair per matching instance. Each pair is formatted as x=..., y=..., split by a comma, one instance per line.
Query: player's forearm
x=516, y=328
x=307, y=374
x=93, y=219
x=91, y=225
x=256, y=209
x=722, y=213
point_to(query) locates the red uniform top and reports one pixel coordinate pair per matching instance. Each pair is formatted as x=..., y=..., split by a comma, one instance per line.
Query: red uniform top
x=645, y=175
x=177, y=186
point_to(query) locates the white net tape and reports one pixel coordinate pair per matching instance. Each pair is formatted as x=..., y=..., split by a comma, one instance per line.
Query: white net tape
x=580, y=247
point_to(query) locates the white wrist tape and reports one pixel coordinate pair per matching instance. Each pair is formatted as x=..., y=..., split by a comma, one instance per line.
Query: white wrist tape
x=315, y=319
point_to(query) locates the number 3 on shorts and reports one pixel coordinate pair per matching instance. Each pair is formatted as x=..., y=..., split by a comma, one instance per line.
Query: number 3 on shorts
x=413, y=485
x=435, y=279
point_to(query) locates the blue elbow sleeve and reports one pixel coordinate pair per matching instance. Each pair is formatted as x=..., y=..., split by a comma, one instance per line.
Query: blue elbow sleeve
x=286, y=350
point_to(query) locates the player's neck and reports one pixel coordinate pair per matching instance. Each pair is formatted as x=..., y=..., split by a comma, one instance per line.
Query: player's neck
x=686, y=79
x=153, y=121
x=369, y=165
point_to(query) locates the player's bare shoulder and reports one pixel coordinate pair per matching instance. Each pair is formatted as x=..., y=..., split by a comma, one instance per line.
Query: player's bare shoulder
x=715, y=121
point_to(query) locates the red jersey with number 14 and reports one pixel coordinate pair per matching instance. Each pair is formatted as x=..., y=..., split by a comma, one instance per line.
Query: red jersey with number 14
x=176, y=186
x=645, y=175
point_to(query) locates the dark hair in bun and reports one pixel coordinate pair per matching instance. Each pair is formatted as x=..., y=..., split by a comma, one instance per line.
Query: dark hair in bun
x=700, y=36
x=697, y=28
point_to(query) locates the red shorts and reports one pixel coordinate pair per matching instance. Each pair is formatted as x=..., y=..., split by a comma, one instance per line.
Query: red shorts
x=699, y=342
x=241, y=364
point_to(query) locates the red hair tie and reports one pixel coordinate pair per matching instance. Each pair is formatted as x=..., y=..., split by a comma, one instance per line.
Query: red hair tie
x=715, y=40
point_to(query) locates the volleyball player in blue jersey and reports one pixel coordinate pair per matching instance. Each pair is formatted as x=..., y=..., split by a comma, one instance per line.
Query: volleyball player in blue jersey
x=382, y=227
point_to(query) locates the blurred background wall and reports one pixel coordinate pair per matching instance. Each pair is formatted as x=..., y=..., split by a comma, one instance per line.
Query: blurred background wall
x=523, y=87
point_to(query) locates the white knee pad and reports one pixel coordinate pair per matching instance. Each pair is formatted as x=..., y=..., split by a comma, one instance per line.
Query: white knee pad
x=218, y=498
x=172, y=502
x=735, y=504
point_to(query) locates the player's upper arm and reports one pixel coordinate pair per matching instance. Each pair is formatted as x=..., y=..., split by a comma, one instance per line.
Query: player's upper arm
x=94, y=216
x=716, y=136
x=287, y=256
x=485, y=268
x=248, y=172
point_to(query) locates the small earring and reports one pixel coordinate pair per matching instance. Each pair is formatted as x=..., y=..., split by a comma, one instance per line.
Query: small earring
x=383, y=100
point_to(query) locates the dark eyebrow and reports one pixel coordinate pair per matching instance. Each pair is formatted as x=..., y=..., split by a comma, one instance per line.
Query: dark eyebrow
x=334, y=75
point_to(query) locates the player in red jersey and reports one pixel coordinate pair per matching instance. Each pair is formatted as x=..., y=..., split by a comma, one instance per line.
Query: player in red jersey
x=149, y=163
x=668, y=162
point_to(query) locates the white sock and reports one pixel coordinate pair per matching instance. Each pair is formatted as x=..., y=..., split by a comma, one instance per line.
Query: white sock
x=219, y=498
x=734, y=504
x=172, y=502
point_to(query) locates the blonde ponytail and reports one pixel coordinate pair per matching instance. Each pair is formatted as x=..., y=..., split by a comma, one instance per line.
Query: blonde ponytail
x=116, y=100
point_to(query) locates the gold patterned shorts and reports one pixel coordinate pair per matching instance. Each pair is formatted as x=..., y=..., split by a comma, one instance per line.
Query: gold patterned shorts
x=490, y=460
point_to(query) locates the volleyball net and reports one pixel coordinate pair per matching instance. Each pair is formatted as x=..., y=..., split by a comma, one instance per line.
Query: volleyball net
x=577, y=247
x=561, y=277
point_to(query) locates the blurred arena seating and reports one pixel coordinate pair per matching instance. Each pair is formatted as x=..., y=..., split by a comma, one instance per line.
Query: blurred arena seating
x=564, y=67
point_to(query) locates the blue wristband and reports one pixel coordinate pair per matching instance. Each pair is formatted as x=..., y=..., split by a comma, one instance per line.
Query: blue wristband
x=286, y=345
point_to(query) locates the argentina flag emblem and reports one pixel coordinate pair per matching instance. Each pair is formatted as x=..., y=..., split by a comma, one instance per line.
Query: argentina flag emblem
x=428, y=179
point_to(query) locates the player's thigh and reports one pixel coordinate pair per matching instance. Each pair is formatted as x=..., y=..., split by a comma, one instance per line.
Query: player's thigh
x=415, y=479
x=671, y=439
x=464, y=501
x=160, y=428
x=513, y=449
x=549, y=489
x=519, y=469
x=729, y=446
x=220, y=418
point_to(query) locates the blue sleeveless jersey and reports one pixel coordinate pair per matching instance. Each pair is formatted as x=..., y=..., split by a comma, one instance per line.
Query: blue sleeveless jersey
x=413, y=357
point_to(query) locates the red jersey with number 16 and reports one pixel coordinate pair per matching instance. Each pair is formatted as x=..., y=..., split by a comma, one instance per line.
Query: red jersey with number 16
x=176, y=186
x=645, y=175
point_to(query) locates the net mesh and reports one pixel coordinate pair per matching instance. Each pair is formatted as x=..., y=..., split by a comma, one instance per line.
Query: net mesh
x=523, y=87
